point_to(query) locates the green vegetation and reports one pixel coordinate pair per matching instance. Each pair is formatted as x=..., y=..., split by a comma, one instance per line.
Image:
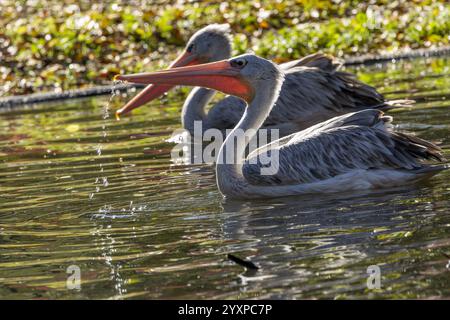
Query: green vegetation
x=58, y=45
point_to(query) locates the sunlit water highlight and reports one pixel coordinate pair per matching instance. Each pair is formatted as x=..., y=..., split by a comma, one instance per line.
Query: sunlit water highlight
x=153, y=229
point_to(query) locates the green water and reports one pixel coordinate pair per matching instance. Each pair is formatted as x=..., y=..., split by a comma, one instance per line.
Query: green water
x=139, y=226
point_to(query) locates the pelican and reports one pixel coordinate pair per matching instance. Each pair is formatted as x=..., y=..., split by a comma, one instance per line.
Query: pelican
x=350, y=152
x=312, y=92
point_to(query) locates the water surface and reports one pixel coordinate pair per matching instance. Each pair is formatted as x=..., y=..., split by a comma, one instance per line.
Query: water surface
x=79, y=188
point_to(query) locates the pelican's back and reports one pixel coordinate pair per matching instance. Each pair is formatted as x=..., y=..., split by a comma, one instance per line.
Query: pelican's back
x=358, y=142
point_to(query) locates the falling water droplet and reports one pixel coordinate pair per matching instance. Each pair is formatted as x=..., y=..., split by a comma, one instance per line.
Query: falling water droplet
x=102, y=181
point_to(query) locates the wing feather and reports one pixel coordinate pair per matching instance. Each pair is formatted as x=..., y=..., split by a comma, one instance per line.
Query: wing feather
x=312, y=95
x=359, y=140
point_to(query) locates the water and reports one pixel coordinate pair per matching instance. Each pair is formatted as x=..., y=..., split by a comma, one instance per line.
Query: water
x=138, y=226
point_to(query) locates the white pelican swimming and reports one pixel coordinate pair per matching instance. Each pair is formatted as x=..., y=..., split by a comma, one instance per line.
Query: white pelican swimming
x=350, y=152
x=313, y=90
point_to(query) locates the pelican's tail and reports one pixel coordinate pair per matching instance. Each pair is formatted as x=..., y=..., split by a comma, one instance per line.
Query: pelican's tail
x=417, y=147
x=424, y=151
x=402, y=146
x=394, y=104
x=415, y=155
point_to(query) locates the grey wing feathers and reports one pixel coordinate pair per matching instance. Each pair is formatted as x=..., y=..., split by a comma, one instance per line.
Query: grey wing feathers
x=311, y=95
x=362, y=96
x=420, y=148
x=359, y=140
x=331, y=64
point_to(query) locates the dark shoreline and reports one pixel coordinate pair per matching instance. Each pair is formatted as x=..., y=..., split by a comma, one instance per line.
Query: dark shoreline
x=12, y=101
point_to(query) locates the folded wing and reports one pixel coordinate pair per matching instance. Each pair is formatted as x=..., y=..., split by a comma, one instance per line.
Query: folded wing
x=361, y=140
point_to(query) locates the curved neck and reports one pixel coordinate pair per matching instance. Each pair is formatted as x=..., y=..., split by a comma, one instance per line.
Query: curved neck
x=231, y=157
x=194, y=107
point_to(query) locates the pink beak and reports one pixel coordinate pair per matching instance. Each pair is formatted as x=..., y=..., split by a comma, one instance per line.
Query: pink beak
x=220, y=75
x=152, y=92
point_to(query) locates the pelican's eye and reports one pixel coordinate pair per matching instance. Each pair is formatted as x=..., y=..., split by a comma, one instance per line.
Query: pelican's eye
x=238, y=63
x=190, y=48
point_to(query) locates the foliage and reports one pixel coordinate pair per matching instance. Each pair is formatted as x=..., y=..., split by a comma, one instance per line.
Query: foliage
x=59, y=45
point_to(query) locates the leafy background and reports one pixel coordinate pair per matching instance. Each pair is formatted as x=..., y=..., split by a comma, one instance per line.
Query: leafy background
x=58, y=45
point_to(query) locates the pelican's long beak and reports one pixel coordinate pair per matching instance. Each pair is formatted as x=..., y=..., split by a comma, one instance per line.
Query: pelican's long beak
x=219, y=76
x=152, y=92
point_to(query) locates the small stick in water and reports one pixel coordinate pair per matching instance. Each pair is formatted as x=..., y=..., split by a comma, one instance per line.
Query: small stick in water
x=245, y=263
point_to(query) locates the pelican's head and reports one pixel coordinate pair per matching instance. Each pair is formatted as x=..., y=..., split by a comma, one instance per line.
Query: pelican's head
x=242, y=76
x=256, y=71
x=211, y=43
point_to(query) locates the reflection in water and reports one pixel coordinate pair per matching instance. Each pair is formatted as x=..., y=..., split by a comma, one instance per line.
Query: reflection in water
x=155, y=229
x=343, y=230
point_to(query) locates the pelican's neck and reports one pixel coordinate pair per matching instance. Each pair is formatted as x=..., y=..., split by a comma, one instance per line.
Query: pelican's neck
x=194, y=107
x=230, y=178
